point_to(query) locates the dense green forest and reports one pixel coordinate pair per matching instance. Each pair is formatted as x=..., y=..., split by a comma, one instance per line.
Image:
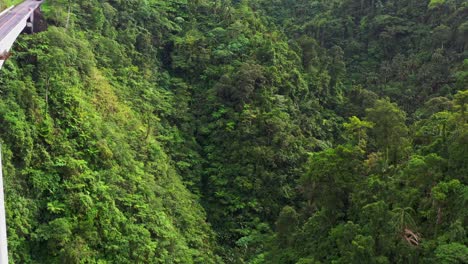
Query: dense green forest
x=238, y=131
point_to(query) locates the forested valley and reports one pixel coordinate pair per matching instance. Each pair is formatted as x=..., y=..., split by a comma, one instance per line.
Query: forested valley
x=238, y=131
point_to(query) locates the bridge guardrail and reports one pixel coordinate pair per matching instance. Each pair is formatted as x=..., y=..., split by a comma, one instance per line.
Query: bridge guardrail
x=6, y=10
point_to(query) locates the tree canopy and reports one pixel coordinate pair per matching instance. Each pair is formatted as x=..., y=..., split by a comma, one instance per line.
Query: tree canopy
x=253, y=131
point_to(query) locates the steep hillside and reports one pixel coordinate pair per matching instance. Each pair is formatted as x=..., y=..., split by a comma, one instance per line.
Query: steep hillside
x=87, y=177
x=253, y=131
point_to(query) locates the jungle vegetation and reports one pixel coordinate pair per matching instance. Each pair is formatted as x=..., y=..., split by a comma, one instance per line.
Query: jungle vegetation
x=238, y=131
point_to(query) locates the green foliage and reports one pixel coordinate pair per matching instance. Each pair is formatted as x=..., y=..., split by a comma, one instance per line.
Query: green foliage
x=436, y=3
x=256, y=131
x=87, y=179
x=356, y=131
x=390, y=131
x=452, y=253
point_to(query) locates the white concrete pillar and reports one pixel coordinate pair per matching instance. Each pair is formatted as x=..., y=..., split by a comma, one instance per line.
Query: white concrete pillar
x=3, y=228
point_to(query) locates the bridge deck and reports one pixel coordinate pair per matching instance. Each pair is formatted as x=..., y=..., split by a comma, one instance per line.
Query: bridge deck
x=16, y=15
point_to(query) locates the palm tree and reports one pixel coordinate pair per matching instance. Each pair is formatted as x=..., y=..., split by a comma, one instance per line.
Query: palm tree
x=403, y=222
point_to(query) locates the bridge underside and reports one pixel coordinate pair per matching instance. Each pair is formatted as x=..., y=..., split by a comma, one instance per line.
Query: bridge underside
x=23, y=24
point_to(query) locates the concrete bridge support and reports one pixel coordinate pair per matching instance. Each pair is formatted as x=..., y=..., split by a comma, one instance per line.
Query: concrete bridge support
x=3, y=227
x=22, y=21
